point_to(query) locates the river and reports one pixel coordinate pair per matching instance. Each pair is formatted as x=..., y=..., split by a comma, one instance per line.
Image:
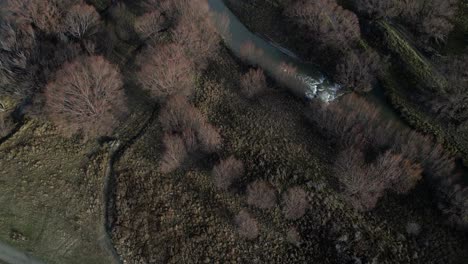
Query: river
x=302, y=78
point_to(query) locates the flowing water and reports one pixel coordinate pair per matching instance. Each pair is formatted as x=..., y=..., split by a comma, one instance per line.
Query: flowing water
x=304, y=79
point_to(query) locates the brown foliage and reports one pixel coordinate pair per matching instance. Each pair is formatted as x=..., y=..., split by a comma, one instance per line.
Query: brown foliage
x=247, y=226
x=226, y=172
x=81, y=21
x=174, y=155
x=86, y=96
x=253, y=83
x=326, y=22
x=166, y=71
x=294, y=203
x=260, y=194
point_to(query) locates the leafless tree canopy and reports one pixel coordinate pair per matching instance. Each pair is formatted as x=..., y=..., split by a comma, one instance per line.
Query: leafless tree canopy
x=247, y=226
x=174, y=155
x=178, y=117
x=260, y=194
x=150, y=24
x=429, y=19
x=194, y=30
x=358, y=71
x=81, y=21
x=166, y=71
x=226, y=172
x=377, y=157
x=86, y=96
x=326, y=21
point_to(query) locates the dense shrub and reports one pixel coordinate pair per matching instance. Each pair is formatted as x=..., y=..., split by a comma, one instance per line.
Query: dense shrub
x=294, y=203
x=253, y=83
x=86, y=96
x=260, y=194
x=247, y=226
x=226, y=172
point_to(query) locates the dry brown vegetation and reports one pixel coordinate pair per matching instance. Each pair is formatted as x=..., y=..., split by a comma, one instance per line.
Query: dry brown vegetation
x=247, y=226
x=253, y=83
x=227, y=172
x=86, y=96
x=260, y=194
x=294, y=203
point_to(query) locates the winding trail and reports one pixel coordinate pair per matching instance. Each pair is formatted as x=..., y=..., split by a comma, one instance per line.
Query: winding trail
x=117, y=149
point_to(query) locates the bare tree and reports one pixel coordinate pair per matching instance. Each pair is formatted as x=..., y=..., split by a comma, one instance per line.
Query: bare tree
x=166, y=71
x=209, y=137
x=379, y=8
x=86, y=96
x=294, y=203
x=150, y=24
x=326, y=22
x=261, y=195
x=174, y=155
x=195, y=31
x=253, y=83
x=250, y=53
x=247, y=226
x=226, y=172
x=358, y=71
x=46, y=15
x=81, y=21
x=178, y=116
